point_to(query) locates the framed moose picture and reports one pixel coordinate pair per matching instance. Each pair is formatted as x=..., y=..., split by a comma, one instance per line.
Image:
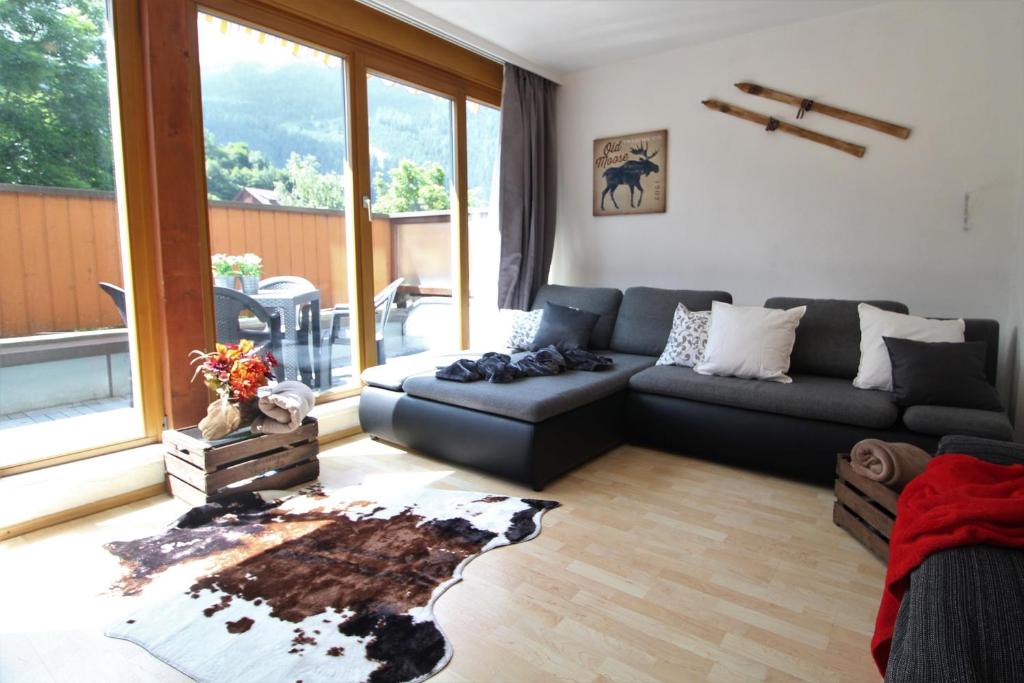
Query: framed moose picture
x=631, y=174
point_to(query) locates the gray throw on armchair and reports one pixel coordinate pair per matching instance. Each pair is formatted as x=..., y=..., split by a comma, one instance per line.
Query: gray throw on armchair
x=962, y=617
x=527, y=194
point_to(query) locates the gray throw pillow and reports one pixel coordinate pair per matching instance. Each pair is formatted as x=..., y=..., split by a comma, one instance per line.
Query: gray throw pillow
x=940, y=373
x=564, y=327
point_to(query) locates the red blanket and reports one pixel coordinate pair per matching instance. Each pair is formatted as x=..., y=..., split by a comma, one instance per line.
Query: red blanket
x=958, y=500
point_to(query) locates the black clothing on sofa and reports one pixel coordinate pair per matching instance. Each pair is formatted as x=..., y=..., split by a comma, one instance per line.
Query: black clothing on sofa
x=498, y=368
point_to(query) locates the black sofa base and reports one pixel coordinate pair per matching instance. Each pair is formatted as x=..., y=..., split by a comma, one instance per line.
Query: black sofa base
x=536, y=453
x=795, y=447
x=529, y=453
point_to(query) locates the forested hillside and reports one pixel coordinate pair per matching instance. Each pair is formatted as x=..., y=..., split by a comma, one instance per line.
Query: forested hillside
x=267, y=126
x=292, y=108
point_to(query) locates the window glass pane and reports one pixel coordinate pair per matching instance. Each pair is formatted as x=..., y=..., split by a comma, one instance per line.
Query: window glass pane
x=67, y=359
x=483, y=135
x=411, y=166
x=274, y=113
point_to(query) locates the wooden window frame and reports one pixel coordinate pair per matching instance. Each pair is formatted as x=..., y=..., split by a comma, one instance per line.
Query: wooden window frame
x=369, y=42
x=163, y=207
x=137, y=261
x=162, y=203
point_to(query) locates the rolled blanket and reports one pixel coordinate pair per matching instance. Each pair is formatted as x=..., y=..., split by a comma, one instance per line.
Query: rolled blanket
x=892, y=464
x=283, y=408
x=264, y=425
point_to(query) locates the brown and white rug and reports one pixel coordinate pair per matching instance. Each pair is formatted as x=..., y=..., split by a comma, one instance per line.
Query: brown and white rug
x=314, y=587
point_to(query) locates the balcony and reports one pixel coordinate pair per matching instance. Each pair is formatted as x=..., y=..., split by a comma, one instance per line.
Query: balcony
x=61, y=334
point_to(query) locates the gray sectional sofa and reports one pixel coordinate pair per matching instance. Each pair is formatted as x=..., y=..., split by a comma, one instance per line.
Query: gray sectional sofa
x=535, y=429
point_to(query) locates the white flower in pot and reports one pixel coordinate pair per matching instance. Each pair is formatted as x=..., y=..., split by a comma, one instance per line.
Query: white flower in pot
x=224, y=270
x=250, y=266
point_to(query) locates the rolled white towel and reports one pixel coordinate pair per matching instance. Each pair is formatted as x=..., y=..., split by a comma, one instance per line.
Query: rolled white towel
x=287, y=404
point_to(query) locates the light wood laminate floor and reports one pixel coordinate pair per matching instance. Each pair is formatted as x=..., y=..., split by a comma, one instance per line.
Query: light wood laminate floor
x=657, y=568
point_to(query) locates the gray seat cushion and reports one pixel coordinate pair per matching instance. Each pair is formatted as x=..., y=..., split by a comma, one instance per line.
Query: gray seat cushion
x=645, y=317
x=809, y=396
x=393, y=374
x=828, y=339
x=532, y=399
x=942, y=420
x=601, y=300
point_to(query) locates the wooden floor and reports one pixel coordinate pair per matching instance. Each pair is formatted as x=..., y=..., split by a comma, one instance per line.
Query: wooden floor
x=657, y=568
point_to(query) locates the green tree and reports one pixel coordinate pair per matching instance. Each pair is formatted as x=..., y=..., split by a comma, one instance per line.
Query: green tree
x=408, y=187
x=232, y=166
x=304, y=185
x=54, y=108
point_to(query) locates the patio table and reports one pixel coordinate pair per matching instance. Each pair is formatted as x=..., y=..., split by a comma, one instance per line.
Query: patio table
x=297, y=362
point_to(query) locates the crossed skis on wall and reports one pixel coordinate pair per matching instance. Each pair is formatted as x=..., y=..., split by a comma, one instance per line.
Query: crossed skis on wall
x=805, y=105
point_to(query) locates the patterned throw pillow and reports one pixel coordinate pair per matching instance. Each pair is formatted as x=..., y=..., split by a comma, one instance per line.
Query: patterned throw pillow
x=688, y=338
x=524, y=328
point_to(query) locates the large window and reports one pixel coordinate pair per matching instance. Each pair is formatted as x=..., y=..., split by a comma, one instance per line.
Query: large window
x=327, y=162
x=275, y=126
x=411, y=167
x=68, y=357
x=275, y=119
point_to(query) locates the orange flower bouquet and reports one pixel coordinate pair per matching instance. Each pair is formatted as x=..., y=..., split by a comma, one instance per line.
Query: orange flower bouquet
x=235, y=373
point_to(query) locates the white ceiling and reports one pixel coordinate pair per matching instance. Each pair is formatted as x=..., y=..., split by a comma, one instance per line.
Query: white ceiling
x=562, y=36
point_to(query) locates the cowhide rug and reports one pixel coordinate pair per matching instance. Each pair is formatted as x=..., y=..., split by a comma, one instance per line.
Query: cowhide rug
x=314, y=587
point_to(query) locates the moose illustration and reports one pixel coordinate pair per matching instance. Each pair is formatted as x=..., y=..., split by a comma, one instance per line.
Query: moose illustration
x=629, y=173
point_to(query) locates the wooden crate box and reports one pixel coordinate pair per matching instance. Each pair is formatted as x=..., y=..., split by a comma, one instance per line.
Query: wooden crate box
x=198, y=471
x=866, y=509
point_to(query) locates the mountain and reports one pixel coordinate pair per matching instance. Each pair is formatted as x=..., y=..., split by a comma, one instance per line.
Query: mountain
x=300, y=108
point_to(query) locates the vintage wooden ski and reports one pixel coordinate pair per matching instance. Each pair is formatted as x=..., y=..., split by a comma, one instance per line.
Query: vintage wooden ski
x=805, y=105
x=774, y=124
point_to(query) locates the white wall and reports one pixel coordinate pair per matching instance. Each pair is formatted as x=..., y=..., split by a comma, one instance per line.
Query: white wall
x=1016, y=364
x=761, y=214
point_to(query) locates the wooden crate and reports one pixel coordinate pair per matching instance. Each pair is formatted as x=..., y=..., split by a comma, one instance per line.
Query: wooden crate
x=199, y=471
x=866, y=509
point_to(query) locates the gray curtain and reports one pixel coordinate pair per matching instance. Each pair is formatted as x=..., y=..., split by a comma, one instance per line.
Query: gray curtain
x=527, y=186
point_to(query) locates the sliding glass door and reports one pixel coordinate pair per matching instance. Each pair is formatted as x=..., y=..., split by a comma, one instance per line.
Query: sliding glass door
x=68, y=354
x=275, y=120
x=334, y=171
x=411, y=167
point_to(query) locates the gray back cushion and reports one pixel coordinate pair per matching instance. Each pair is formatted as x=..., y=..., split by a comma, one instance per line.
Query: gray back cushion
x=645, y=317
x=601, y=300
x=828, y=338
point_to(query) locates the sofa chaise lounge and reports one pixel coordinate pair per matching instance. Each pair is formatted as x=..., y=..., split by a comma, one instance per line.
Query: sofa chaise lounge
x=535, y=429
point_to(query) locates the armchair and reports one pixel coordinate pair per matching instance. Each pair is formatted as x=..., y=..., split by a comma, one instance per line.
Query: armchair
x=229, y=305
x=338, y=330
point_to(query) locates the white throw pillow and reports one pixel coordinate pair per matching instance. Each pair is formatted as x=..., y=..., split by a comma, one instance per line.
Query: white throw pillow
x=688, y=338
x=875, y=370
x=523, y=326
x=750, y=342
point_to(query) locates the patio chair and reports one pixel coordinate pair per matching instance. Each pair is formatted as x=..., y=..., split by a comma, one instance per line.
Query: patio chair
x=279, y=283
x=286, y=282
x=229, y=305
x=338, y=330
x=116, y=295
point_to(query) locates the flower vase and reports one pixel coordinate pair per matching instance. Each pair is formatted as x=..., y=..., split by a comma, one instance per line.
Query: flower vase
x=250, y=284
x=248, y=410
x=224, y=281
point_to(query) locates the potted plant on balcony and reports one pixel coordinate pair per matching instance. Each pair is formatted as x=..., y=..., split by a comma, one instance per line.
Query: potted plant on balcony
x=224, y=270
x=249, y=267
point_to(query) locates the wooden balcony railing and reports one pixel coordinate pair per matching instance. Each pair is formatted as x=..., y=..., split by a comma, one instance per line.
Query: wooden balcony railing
x=60, y=243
